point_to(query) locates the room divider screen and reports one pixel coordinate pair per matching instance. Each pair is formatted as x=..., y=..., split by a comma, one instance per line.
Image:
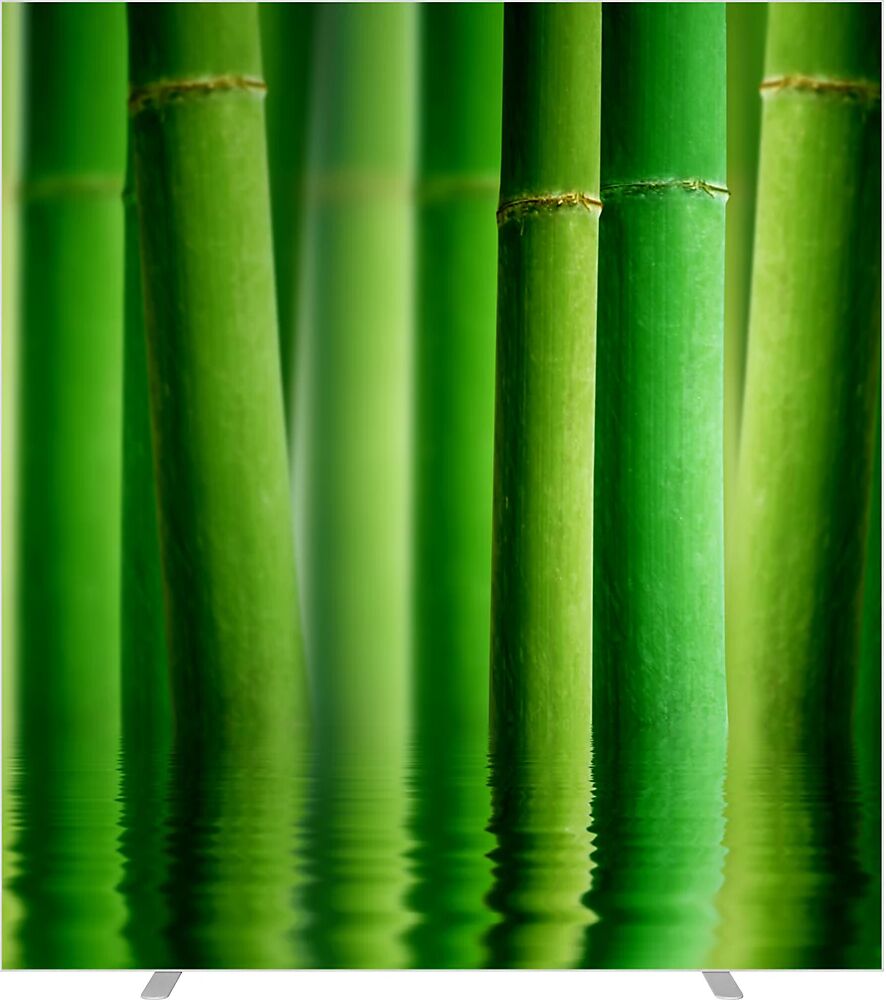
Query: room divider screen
x=441, y=486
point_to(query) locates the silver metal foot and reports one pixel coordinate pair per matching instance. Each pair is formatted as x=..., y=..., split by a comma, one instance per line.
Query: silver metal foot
x=160, y=985
x=723, y=985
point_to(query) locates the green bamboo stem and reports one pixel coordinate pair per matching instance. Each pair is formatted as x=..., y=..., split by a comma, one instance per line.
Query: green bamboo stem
x=13, y=43
x=216, y=399
x=659, y=668
x=803, y=484
x=146, y=711
x=68, y=637
x=867, y=715
x=799, y=520
x=544, y=452
x=745, y=42
x=353, y=451
x=287, y=33
x=455, y=393
x=544, y=443
x=867, y=708
x=144, y=670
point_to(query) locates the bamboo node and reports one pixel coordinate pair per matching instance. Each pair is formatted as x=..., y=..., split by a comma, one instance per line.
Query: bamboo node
x=716, y=191
x=443, y=187
x=63, y=186
x=547, y=203
x=161, y=92
x=858, y=90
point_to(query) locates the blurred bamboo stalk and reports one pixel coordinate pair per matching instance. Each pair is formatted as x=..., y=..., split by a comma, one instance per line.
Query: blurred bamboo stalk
x=287, y=35
x=543, y=493
x=353, y=450
x=69, y=431
x=216, y=399
x=659, y=658
x=454, y=416
x=803, y=485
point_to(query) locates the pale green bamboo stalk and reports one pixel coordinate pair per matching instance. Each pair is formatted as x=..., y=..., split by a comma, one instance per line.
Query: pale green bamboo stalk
x=216, y=400
x=543, y=493
x=454, y=415
x=804, y=471
x=69, y=428
x=353, y=447
x=799, y=519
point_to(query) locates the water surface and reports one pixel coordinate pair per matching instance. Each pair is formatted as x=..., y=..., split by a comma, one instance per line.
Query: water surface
x=445, y=861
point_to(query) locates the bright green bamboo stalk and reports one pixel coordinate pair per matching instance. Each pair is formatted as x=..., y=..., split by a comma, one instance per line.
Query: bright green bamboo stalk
x=803, y=486
x=544, y=442
x=455, y=355
x=13, y=42
x=69, y=514
x=659, y=669
x=287, y=34
x=745, y=42
x=144, y=667
x=216, y=400
x=544, y=455
x=353, y=451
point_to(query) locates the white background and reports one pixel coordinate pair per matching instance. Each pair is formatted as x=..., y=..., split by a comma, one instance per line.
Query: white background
x=423, y=985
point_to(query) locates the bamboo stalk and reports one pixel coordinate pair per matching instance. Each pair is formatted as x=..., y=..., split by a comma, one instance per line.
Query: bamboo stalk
x=455, y=393
x=659, y=668
x=799, y=521
x=544, y=451
x=544, y=444
x=804, y=471
x=216, y=399
x=353, y=449
x=13, y=43
x=68, y=637
x=145, y=671
x=868, y=723
x=287, y=32
x=745, y=42
x=354, y=377
x=867, y=714
x=146, y=711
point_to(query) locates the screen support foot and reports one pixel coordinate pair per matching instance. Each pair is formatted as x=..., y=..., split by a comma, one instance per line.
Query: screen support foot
x=160, y=985
x=723, y=985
